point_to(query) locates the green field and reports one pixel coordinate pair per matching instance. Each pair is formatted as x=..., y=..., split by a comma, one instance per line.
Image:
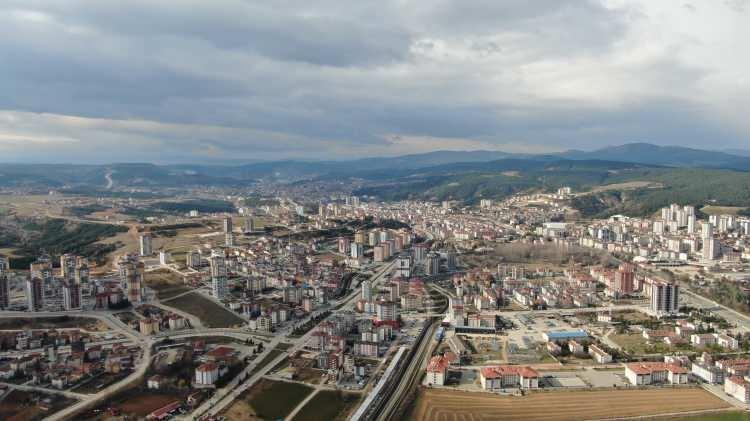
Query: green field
x=210, y=313
x=632, y=343
x=328, y=405
x=269, y=400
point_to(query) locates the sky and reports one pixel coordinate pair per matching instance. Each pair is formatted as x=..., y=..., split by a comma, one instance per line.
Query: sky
x=173, y=81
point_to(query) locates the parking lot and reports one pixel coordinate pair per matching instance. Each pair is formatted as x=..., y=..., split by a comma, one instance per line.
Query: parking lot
x=584, y=378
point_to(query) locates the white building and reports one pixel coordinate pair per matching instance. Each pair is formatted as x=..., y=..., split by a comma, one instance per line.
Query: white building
x=437, y=370
x=707, y=372
x=146, y=246
x=738, y=387
x=599, y=355
x=507, y=376
x=357, y=251
x=645, y=373
x=207, y=374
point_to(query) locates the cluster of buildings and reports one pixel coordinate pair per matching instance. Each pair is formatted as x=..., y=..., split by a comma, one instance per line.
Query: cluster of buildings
x=63, y=358
x=70, y=287
x=342, y=341
x=153, y=320
x=733, y=374
x=676, y=237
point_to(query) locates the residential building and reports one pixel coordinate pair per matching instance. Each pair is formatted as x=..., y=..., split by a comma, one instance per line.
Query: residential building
x=35, y=294
x=71, y=296
x=146, y=244
x=508, y=376
x=599, y=355
x=131, y=278
x=207, y=374
x=708, y=372
x=437, y=370
x=738, y=387
x=664, y=296
x=4, y=291
x=219, y=287
x=645, y=373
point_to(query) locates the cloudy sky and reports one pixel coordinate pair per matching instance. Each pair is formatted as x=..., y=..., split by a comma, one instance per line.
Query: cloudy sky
x=197, y=80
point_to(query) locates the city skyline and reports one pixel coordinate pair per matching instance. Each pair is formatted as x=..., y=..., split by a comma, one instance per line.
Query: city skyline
x=230, y=80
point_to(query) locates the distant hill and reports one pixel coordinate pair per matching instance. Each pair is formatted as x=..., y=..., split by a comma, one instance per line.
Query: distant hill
x=676, y=156
x=434, y=164
x=738, y=152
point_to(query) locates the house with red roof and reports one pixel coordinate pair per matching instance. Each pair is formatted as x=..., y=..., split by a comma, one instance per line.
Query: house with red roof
x=645, y=373
x=508, y=376
x=437, y=369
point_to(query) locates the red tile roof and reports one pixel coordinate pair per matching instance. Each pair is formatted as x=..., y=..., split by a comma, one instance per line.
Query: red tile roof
x=437, y=365
x=504, y=370
x=643, y=368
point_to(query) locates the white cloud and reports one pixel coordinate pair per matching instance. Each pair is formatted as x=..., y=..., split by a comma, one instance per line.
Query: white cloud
x=182, y=80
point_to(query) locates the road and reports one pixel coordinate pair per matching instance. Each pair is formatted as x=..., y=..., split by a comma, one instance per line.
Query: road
x=742, y=321
x=108, y=177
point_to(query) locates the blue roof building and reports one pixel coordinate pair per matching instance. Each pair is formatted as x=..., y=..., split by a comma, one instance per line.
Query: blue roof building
x=565, y=335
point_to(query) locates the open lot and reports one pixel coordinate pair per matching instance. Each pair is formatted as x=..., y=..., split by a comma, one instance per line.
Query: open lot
x=328, y=405
x=448, y=405
x=166, y=283
x=721, y=210
x=584, y=378
x=60, y=322
x=487, y=348
x=143, y=404
x=268, y=400
x=100, y=382
x=633, y=343
x=24, y=406
x=210, y=313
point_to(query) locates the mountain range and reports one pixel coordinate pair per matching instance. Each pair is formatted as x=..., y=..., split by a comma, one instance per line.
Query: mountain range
x=434, y=163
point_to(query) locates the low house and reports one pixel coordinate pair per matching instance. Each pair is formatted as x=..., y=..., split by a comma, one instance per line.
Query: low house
x=562, y=336
x=702, y=339
x=155, y=382
x=726, y=341
x=738, y=367
x=599, y=355
x=707, y=372
x=720, y=339
x=575, y=347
